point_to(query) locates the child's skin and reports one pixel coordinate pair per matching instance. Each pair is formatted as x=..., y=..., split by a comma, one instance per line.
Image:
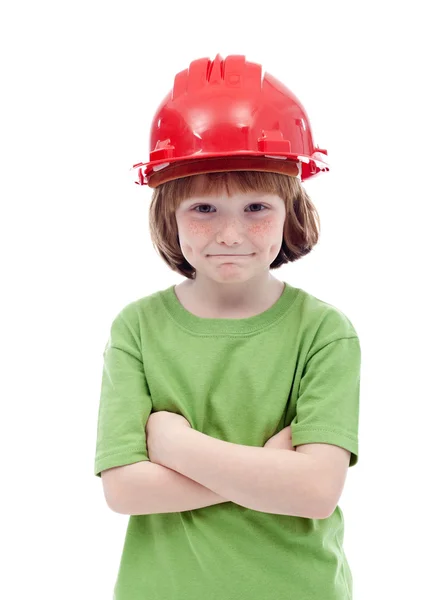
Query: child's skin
x=250, y=224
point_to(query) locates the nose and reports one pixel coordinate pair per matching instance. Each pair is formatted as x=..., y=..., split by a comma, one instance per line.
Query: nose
x=230, y=231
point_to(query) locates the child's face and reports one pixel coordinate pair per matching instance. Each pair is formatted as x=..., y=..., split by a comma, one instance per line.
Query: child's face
x=245, y=224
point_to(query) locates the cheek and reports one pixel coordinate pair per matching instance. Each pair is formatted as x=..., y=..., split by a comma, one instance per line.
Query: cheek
x=263, y=228
x=199, y=228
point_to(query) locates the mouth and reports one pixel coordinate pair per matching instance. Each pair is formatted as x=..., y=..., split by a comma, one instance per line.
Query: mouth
x=230, y=255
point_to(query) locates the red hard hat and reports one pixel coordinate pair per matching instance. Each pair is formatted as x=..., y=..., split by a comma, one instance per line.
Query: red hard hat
x=223, y=115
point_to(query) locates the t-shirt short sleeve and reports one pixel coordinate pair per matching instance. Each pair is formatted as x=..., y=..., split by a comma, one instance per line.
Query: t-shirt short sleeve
x=327, y=408
x=125, y=401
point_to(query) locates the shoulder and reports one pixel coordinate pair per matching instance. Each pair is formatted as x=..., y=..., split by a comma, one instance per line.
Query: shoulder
x=132, y=317
x=325, y=320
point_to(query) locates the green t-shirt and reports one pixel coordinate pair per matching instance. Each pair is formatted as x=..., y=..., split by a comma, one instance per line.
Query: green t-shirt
x=241, y=381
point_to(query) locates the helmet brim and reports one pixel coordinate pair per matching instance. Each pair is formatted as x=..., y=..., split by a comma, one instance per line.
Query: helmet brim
x=218, y=165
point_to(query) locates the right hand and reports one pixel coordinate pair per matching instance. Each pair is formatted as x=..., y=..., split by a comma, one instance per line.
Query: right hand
x=281, y=440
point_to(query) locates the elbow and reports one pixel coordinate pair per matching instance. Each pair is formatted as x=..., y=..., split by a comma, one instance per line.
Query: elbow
x=112, y=489
x=325, y=514
x=322, y=505
x=324, y=498
x=326, y=507
x=115, y=502
x=112, y=504
x=116, y=508
x=319, y=515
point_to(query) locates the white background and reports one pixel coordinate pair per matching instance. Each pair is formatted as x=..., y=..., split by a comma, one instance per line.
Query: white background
x=80, y=82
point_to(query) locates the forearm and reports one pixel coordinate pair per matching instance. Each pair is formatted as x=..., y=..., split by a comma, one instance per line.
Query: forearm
x=263, y=479
x=148, y=488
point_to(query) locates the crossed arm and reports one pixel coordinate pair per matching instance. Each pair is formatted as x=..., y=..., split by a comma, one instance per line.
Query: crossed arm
x=203, y=471
x=264, y=479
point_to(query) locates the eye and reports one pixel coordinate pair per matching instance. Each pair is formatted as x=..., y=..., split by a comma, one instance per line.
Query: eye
x=206, y=213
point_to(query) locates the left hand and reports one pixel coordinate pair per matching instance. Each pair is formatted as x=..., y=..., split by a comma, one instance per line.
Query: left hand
x=160, y=431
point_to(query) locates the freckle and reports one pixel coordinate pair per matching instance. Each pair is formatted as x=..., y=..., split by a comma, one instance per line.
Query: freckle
x=199, y=228
x=261, y=228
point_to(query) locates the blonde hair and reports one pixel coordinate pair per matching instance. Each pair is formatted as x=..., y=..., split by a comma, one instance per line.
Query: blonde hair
x=301, y=226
